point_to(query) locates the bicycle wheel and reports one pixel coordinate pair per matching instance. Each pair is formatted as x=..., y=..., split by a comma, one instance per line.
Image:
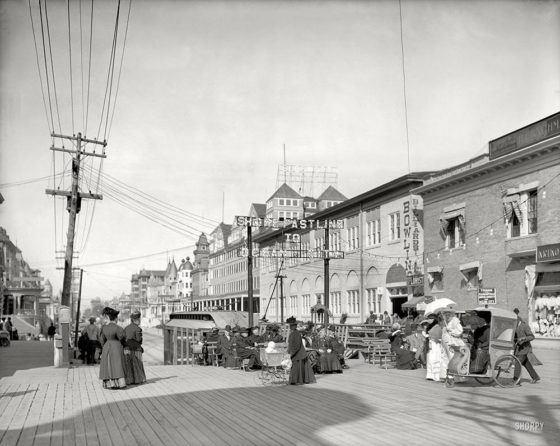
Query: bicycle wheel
x=507, y=371
x=449, y=381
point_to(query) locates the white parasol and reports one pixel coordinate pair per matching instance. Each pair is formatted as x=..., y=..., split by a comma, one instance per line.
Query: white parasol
x=439, y=304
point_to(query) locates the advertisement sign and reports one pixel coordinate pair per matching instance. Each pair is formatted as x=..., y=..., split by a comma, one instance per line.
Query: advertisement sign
x=486, y=296
x=548, y=253
x=64, y=315
x=539, y=131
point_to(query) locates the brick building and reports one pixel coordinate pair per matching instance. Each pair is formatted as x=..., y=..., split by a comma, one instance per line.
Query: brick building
x=486, y=219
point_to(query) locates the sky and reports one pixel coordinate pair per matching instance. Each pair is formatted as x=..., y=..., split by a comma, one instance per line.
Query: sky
x=211, y=92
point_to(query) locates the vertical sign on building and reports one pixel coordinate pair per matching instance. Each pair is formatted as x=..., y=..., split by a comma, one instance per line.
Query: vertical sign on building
x=411, y=235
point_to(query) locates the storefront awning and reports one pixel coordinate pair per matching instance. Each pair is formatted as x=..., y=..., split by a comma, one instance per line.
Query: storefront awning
x=412, y=303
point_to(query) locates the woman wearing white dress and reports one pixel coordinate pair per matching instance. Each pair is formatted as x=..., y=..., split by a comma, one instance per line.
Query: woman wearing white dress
x=432, y=332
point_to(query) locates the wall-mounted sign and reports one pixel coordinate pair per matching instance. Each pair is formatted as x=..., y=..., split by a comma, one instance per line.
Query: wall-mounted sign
x=539, y=131
x=415, y=280
x=270, y=253
x=548, y=253
x=486, y=296
x=276, y=223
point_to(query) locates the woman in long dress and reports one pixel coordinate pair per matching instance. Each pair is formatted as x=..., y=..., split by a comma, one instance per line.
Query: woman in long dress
x=301, y=371
x=112, y=339
x=134, y=368
x=433, y=358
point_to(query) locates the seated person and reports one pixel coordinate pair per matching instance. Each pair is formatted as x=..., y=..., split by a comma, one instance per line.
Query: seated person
x=246, y=349
x=328, y=361
x=224, y=348
x=338, y=348
x=255, y=338
x=417, y=344
x=405, y=358
x=480, y=341
x=272, y=334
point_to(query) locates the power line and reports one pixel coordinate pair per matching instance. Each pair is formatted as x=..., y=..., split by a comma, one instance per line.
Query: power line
x=70, y=56
x=404, y=87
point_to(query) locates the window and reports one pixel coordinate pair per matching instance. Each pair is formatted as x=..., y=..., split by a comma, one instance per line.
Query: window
x=293, y=305
x=310, y=205
x=334, y=241
x=335, y=303
x=373, y=232
x=435, y=278
x=354, y=301
x=395, y=226
x=353, y=237
x=520, y=210
x=306, y=304
x=472, y=274
x=452, y=222
x=280, y=202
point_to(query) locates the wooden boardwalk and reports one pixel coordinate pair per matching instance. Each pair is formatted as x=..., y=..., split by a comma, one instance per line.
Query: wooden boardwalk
x=185, y=405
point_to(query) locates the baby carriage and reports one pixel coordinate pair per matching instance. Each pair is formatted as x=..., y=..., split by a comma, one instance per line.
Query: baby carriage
x=4, y=338
x=275, y=367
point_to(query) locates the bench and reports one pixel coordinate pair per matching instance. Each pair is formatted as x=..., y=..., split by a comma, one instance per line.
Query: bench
x=379, y=352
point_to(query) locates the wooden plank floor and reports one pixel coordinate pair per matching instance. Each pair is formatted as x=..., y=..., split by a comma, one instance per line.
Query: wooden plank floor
x=185, y=405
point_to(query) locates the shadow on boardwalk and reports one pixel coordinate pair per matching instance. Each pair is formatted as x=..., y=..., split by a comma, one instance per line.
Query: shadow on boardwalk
x=25, y=355
x=286, y=415
x=488, y=413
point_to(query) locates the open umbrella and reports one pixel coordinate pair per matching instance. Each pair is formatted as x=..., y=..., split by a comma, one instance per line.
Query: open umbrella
x=438, y=305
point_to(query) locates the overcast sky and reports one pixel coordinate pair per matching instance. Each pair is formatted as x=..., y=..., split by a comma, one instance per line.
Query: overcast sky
x=211, y=91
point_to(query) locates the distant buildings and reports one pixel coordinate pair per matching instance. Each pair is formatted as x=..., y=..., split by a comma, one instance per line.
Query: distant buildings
x=21, y=286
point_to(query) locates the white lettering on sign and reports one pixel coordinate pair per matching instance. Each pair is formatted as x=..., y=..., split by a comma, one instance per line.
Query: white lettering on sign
x=411, y=235
x=276, y=223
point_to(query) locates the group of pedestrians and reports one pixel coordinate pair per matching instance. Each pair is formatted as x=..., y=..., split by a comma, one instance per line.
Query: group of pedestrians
x=121, y=350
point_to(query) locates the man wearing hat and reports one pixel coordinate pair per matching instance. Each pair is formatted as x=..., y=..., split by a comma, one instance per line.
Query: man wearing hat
x=246, y=349
x=92, y=333
x=224, y=349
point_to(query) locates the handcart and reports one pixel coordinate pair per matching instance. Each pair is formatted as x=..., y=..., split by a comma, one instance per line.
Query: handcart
x=503, y=367
x=275, y=367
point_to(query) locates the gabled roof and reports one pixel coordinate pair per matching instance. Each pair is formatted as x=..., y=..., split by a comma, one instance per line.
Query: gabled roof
x=224, y=228
x=331, y=194
x=257, y=210
x=284, y=191
x=171, y=269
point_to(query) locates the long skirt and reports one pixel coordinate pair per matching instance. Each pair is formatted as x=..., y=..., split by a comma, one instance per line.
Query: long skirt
x=134, y=368
x=329, y=363
x=433, y=362
x=111, y=369
x=301, y=372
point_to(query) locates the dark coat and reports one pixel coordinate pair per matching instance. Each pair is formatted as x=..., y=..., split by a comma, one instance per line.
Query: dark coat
x=295, y=346
x=523, y=338
x=224, y=345
x=133, y=334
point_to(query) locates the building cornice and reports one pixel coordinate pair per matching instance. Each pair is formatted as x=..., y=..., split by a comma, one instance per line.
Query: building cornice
x=539, y=156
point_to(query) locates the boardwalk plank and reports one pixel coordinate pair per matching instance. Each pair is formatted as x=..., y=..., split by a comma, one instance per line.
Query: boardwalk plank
x=24, y=417
x=45, y=419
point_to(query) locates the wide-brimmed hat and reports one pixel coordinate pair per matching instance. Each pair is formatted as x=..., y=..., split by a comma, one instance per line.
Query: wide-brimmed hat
x=111, y=312
x=227, y=328
x=291, y=321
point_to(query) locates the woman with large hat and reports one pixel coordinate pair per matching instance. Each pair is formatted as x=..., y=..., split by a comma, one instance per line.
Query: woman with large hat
x=112, y=338
x=134, y=368
x=301, y=371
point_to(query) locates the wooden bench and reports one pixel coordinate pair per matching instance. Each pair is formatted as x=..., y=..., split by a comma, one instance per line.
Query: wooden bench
x=360, y=335
x=379, y=352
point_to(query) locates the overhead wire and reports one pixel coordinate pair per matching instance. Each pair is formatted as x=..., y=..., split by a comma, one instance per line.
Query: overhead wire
x=52, y=66
x=70, y=65
x=120, y=68
x=89, y=67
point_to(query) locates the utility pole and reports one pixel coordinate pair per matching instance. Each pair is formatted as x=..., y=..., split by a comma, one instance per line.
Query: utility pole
x=74, y=198
x=250, y=275
x=281, y=277
x=327, y=281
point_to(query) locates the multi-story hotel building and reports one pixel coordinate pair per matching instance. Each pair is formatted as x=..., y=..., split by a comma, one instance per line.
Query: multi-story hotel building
x=381, y=239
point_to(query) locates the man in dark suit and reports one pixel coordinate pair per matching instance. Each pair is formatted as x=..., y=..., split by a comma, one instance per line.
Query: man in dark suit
x=224, y=345
x=523, y=338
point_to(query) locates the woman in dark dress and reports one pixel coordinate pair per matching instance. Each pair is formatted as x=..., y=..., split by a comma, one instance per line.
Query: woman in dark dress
x=134, y=368
x=112, y=338
x=301, y=371
x=328, y=358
